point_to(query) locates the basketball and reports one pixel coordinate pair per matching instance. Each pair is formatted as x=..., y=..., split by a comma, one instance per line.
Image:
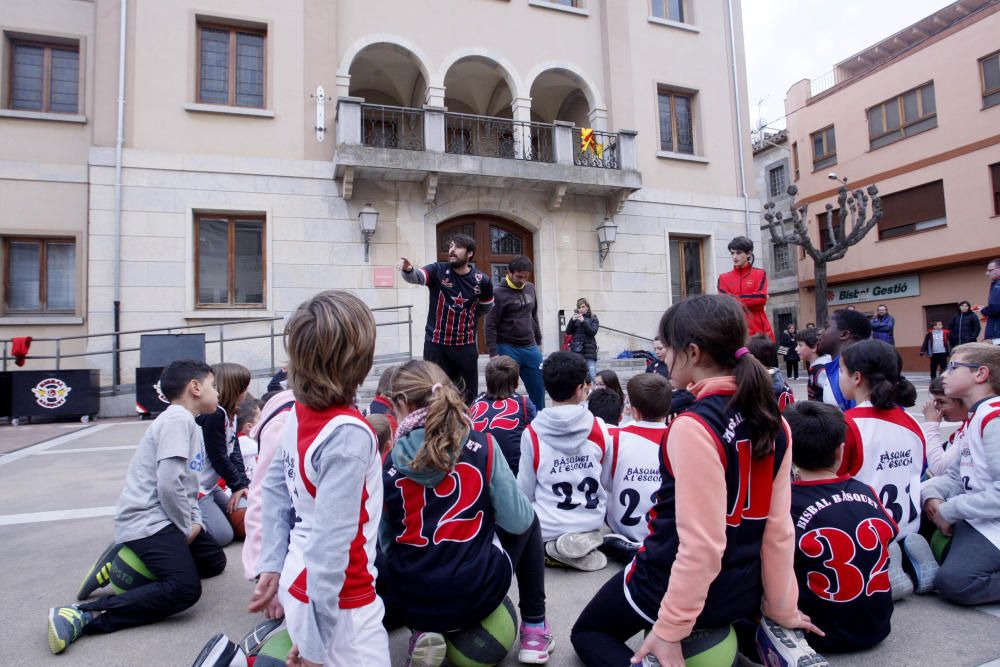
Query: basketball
x=710, y=648
x=939, y=545
x=274, y=652
x=487, y=643
x=128, y=572
x=236, y=520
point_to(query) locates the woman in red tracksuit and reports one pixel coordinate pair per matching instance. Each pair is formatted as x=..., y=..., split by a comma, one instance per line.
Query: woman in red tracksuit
x=748, y=286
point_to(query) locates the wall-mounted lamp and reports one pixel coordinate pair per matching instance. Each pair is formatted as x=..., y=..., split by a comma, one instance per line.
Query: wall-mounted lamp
x=606, y=235
x=834, y=177
x=368, y=217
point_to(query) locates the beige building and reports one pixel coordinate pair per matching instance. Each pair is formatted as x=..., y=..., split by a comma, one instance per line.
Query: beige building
x=919, y=115
x=254, y=134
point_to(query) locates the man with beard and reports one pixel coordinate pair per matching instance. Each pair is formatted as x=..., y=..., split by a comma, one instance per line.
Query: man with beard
x=459, y=295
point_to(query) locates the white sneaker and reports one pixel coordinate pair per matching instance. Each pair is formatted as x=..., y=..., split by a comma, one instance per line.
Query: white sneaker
x=899, y=581
x=591, y=562
x=925, y=566
x=578, y=545
x=427, y=649
x=785, y=647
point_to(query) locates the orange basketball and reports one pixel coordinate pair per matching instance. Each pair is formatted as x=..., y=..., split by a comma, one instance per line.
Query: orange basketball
x=236, y=519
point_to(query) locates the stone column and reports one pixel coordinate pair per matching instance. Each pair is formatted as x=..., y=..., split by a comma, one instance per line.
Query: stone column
x=627, y=155
x=521, y=109
x=434, y=128
x=349, y=120
x=562, y=142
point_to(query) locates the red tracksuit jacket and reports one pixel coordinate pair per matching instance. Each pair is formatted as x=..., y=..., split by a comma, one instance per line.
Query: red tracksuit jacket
x=749, y=286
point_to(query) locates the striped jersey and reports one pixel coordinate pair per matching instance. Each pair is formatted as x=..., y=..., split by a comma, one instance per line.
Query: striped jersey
x=454, y=301
x=305, y=431
x=635, y=476
x=886, y=450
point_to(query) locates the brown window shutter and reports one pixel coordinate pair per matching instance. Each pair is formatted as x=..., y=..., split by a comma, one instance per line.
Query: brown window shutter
x=908, y=207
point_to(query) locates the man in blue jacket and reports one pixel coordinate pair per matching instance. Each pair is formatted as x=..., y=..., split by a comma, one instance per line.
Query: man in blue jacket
x=883, y=324
x=992, y=308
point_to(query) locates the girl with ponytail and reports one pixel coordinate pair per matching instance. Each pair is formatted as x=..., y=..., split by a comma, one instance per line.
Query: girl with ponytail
x=720, y=547
x=449, y=494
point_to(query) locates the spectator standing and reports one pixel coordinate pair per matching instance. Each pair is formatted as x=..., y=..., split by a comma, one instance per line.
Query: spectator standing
x=937, y=347
x=747, y=285
x=965, y=326
x=992, y=308
x=883, y=325
x=789, y=351
x=583, y=328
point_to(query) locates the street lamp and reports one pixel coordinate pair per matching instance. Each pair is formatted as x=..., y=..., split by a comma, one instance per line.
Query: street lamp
x=833, y=177
x=368, y=217
x=606, y=234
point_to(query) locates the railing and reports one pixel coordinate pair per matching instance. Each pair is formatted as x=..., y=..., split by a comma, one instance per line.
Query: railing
x=827, y=81
x=485, y=136
x=599, y=150
x=392, y=127
x=625, y=334
x=273, y=335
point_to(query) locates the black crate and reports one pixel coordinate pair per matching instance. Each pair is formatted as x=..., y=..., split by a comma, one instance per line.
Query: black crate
x=55, y=394
x=149, y=400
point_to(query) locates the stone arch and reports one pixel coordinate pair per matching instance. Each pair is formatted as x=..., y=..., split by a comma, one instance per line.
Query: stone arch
x=504, y=66
x=420, y=58
x=587, y=85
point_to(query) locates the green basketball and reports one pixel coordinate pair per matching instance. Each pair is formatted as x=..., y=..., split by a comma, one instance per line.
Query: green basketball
x=274, y=652
x=487, y=643
x=128, y=572
x=939, y=546
x=710, y=648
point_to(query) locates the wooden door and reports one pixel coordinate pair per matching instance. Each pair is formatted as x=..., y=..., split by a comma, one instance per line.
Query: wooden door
x=498, y=241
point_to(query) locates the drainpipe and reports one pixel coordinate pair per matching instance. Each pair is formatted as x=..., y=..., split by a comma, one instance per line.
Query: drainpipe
x=119, y=140
x=739, y=117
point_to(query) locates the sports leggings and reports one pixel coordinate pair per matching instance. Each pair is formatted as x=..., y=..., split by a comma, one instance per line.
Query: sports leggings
x=527, y=553
x=604, y=626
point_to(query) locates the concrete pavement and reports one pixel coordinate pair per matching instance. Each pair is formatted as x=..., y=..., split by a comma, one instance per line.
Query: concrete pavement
x=57, y=497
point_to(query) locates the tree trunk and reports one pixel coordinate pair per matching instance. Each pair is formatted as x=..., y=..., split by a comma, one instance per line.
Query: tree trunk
x=819, y=273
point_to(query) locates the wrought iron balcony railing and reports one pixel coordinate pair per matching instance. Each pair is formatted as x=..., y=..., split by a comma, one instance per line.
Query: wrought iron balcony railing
x=485, y=136
x=392, y=127
x=596, y=149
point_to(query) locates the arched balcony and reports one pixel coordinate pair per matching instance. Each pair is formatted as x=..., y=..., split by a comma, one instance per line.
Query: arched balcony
x=393, y=84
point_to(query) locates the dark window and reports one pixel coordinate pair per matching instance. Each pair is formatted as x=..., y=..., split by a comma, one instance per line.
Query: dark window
x=777, y=181
x=44, y=77
x=989, y=72
x=231, y=66
x=912, y=210
x=782, y=258
x=913, y=112
x=995, y=180
x=676, y=124
x=942, y=312
x=686, y=273
x=672, y=10
x=229, y=260
x=824, y=232
x=795, y=159
x=39, y=275
x=824, y=147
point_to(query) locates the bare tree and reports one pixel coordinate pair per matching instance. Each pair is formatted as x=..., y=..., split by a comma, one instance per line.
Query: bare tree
x=853, y=205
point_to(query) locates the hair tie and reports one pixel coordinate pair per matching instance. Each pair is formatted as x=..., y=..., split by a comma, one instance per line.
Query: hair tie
x=742, y=352
x=437, y=385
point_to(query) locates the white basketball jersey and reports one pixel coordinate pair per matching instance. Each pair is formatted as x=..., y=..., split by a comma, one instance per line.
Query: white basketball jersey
x=635, y=477
x=972, y=465
x=569, y=494
x=887, y=450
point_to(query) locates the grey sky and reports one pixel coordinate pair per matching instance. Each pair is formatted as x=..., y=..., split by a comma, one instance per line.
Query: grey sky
x=789, y=40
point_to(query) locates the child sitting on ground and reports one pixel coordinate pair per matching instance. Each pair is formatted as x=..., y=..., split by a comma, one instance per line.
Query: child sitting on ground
x=501, y=411
x=635, y=465
x=606, y=404
x=565, y=466
x=382, y=403
x=157, y=518
x=805, y=345
x=839, y=523
x=766, y=352
x=383, y=431
x=247, y=416
x=964, y=503
x=608, y=379
x=941, y=453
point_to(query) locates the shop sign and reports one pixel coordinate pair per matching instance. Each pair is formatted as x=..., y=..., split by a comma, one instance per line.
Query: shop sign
x=896, y=287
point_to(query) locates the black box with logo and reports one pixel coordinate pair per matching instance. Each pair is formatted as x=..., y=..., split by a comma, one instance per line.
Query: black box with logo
x=149, y=400
x=55, y=394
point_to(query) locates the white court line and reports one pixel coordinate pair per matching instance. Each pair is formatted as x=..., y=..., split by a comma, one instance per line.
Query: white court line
x=993, y=610
x=57, y=515
x=49, y=444
x=81, y=450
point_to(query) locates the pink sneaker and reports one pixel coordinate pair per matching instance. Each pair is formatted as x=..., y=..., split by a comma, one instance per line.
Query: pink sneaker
x=536, y=644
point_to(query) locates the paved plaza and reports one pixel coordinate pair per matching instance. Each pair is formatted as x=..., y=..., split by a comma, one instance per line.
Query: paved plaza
x=58, y=487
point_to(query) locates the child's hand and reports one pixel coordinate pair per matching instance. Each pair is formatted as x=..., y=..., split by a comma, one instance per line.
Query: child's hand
x=296, y=660
x=404, y=265
x=931, y=510
x=668, y=653
x=805, y=623
x=931, y=413
x=234, y=499
x=195, y=531
x=264, y=593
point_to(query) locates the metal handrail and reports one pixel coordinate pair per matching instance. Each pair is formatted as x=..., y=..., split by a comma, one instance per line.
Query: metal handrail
x=488, y=136
x=384, y=126
x=602, y=153
x=604, y=327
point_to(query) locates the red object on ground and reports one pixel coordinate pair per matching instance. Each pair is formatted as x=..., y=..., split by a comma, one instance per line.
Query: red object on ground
x=19, y=349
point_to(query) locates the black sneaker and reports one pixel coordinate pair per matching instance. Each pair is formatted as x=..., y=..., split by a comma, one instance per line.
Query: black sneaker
x=251, y=643
x=219, y=651
x=66, y=626
x=99, y=575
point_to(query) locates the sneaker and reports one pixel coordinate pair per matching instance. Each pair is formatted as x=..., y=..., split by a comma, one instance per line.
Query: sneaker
x=591, y=562
x=899, y=581
x=220, y=651
x=921, y=558
x=785, y=647
x=578, y=545
x=427, y=649
x=66, y=626
x=251, y=643
x=619, y=548
x=99, y=575
x=536, y=644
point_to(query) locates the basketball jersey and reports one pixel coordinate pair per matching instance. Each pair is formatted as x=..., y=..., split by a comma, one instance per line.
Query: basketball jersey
x=305, y=431
x=569, y=496
x=443, y=560
x=886, y=450
x=635, y=476
x=842, y=536
x=454, y=300
x=505, y=420
x=209, y=479
x=736, y=593
x=973, y=466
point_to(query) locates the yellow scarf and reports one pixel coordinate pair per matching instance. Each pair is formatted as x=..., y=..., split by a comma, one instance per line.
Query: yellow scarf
x=512, y=285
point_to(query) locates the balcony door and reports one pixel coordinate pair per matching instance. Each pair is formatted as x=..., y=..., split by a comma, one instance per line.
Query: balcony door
x=498, y=241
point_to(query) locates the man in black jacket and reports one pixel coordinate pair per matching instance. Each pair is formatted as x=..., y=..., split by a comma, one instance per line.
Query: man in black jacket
x=512, y=327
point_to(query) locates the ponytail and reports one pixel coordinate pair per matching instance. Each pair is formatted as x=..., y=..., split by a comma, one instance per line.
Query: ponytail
x=880, y=364
x=423, y=385
x=756, y=402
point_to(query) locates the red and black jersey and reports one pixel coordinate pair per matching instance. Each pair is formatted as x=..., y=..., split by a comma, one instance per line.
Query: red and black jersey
x=749, y=286
x=737, y=591
x=452, y=313
x=442, y=561
x=842, y=536
x=505, y=420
